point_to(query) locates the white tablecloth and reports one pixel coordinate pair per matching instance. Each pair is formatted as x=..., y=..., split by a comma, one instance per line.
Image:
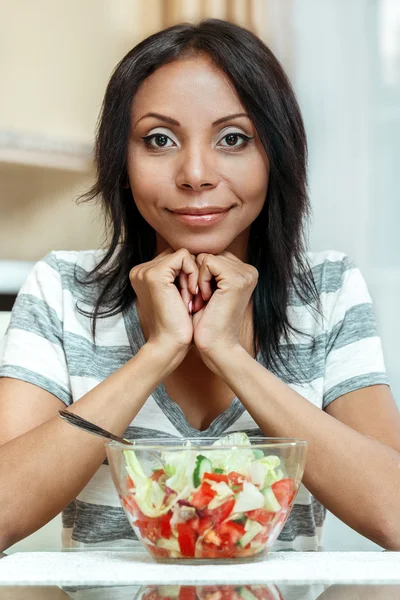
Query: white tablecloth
x=125, y=568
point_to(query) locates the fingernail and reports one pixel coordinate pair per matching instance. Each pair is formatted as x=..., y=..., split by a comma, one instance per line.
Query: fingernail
x=197, y=290
x=190, y=306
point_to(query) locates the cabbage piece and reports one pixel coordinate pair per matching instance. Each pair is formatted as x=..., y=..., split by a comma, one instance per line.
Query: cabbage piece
x=273, y=476
x=223, y=493
x=134, y=468
x=180, y=467
x=270, y=462
x=149, y=495
x=262, y=472
x=233, y=439
x=249, y=499
x=231, y=459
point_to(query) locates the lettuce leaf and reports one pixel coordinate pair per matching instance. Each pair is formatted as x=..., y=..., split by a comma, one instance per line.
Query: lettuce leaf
x=231, y=459
x=180, y=466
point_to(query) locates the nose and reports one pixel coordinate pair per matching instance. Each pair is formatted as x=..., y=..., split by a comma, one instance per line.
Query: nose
x=197, y=170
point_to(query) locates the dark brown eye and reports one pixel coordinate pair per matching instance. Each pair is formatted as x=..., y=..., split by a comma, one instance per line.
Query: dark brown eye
x=160, y=137
x=232, y=138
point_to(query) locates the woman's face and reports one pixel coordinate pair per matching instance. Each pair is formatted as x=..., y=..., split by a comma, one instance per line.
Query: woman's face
x=195, y=162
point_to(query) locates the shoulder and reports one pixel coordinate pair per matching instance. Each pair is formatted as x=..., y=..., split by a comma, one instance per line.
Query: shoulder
x=68, y=260
x=330, y=268
x=63, y=271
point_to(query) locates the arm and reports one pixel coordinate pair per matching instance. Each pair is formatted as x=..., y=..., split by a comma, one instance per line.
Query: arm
x=351, y=468
x=36, y=479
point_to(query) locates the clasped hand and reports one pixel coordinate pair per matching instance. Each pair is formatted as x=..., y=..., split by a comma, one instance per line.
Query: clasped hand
x=183, y=299
x=224, y=288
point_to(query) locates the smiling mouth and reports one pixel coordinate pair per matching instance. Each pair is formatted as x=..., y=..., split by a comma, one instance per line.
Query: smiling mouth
x=201, y=219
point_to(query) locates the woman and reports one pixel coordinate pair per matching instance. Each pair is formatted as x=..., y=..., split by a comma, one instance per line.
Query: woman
x=190, y=325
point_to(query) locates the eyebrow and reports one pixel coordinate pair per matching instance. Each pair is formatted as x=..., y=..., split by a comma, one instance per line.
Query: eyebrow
x=173, y=122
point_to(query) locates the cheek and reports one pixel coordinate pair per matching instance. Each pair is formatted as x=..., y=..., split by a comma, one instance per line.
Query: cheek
x=252, y=184
x=142, y=182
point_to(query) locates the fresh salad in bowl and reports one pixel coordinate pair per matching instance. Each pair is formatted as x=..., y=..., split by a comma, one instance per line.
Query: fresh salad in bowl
x=208, y=503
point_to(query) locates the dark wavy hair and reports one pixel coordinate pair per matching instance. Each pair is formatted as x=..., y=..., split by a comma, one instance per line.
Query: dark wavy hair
x=277, y=241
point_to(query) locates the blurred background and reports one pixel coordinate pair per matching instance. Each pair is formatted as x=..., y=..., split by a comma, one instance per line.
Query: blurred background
x=343, y=59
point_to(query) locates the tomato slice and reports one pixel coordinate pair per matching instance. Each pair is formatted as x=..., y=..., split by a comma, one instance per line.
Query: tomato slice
x=230, y=533
x=211, y=537
x=157, y=474
x=203, y=495
x=149, y=528
x=235, y=478
x=213, y=551
x=218, y=477
x=165, y=525
x=261, y=516
x=222, y=512
x=204, y=524
x=158, y=553
x=186, y=538
x=284, y=491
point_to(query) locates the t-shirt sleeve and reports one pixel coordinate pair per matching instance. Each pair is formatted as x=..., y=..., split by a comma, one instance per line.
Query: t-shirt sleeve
x=354, y=355
x=32, y=348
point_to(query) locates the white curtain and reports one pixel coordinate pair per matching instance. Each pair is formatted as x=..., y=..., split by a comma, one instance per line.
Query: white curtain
x=346, y=72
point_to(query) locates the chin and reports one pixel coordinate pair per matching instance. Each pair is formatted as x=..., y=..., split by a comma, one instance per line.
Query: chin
x=197, y=247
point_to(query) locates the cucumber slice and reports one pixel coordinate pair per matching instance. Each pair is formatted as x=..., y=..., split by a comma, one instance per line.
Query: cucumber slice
x=239, y=519
x=270, y=502
x=219, y=471
x=258, y=454
x=252, y=529
x=246, y=594
x=203, y=465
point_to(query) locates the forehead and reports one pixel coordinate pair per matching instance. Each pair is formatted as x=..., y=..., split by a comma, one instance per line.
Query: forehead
x=186, y=86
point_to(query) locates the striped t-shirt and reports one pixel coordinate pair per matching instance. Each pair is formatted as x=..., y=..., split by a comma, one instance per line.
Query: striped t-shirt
x=49, y=343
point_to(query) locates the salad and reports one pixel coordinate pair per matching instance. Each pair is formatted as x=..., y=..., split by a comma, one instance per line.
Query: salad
x=211, y=592
x=217, y=503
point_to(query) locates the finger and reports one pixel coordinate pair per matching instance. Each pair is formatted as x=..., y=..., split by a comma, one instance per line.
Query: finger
x=183, y=284
x=198, y=302
x=182, y=260
x=191, y=270
x=205, y=275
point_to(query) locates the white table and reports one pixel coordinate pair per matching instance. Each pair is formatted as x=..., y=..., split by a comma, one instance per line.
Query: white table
x=138, y=568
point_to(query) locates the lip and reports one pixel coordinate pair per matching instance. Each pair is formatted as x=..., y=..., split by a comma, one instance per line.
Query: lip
x=202, y=219
x=204, y=210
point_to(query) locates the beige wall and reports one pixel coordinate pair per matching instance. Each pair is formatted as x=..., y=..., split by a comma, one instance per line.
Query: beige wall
x=56, y=59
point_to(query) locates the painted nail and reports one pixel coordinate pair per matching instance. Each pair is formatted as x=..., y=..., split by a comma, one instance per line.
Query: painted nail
x=197, y=290
x=190, y=306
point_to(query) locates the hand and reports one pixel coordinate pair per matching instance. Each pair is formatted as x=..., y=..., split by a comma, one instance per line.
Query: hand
x=164, y=316
x=218, y=322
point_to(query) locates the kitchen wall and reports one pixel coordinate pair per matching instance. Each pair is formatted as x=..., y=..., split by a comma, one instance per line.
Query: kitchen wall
x=56, y=60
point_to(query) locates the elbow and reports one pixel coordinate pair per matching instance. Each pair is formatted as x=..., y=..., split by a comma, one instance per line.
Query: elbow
x=391, y=542
x=390, y=533
x=4, y=544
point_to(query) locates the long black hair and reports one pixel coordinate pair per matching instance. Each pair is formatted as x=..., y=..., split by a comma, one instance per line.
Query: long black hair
x=277, y=246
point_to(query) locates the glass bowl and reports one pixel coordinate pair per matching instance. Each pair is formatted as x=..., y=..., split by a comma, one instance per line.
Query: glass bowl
x=215, y=500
